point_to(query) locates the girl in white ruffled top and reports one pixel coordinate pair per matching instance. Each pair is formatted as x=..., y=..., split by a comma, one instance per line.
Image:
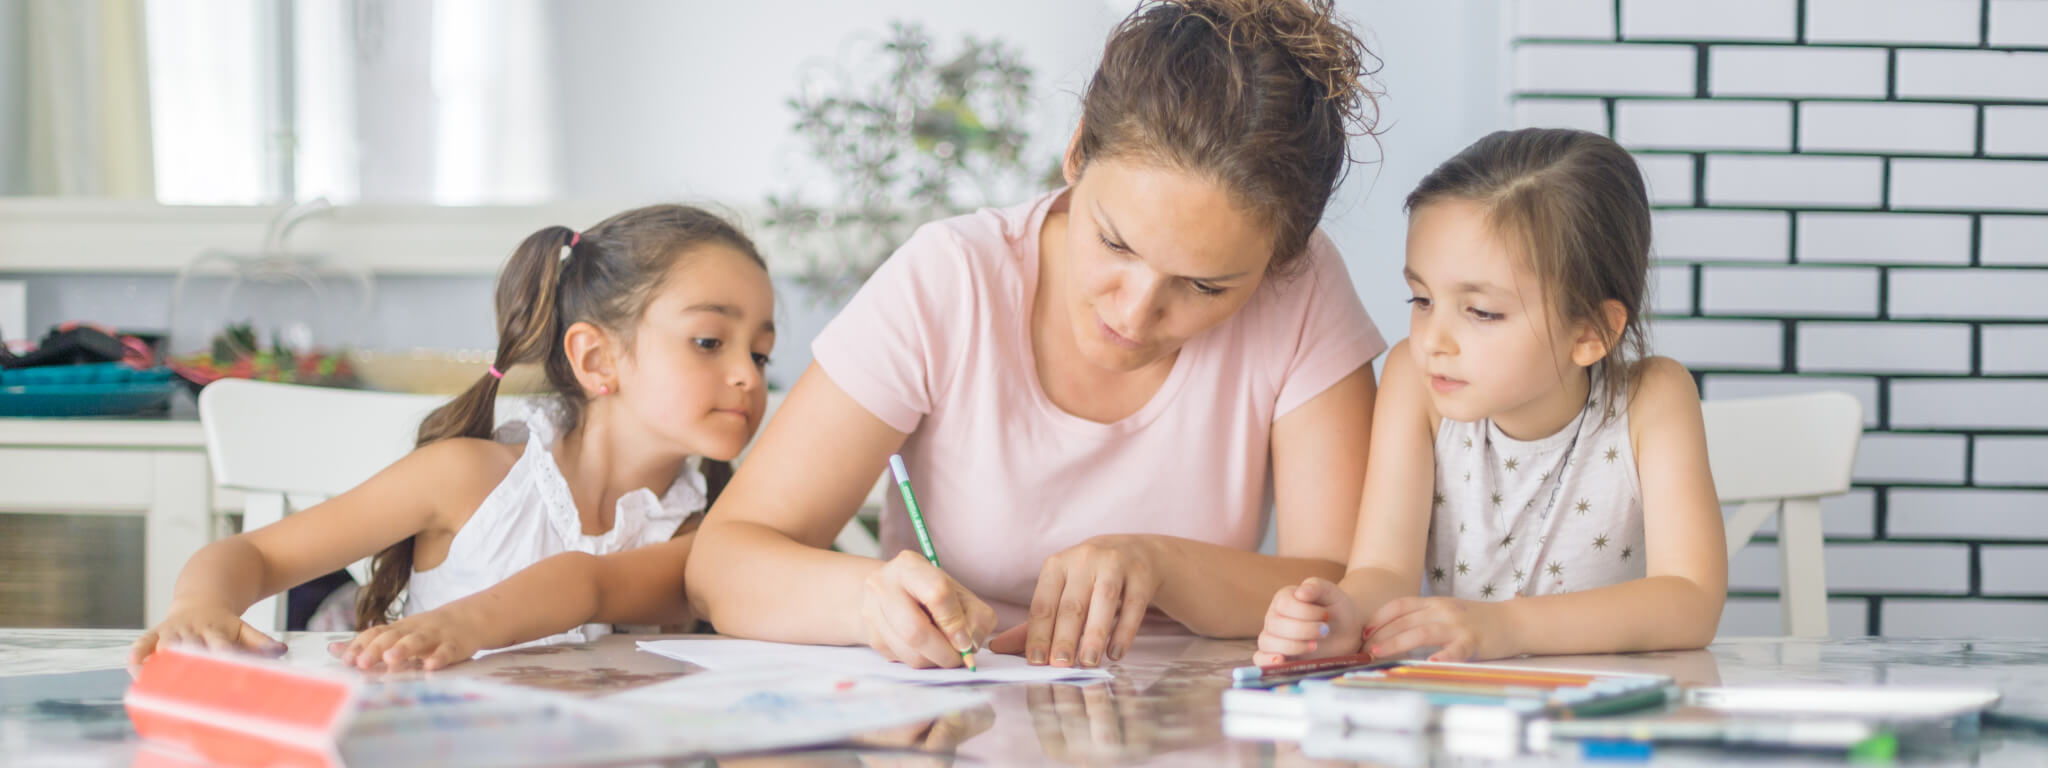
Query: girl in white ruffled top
x=653, y=328
x=1537, y=483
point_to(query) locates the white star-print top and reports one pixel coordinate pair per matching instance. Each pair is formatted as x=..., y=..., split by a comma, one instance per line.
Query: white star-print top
x=530, y=517
x=1557, y=514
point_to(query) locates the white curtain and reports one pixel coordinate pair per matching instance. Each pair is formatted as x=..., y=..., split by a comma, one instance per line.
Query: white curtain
x=87, y=87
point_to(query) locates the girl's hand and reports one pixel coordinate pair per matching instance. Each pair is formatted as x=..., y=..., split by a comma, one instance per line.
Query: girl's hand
x=918, y=615
x=215, y=627
x=431, y=640
x=1091, y=598
x=1460, y=630
x=1311, y=621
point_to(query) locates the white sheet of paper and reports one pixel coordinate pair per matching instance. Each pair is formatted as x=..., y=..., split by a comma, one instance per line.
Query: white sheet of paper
x=719, y=653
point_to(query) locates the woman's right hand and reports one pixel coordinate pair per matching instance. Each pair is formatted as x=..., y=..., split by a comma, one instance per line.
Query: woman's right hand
x=918, y=615
x=1311, y=621
x=216, y=628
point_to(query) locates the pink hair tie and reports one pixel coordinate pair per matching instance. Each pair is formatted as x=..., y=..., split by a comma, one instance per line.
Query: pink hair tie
x=574, y=238
x=496, y=374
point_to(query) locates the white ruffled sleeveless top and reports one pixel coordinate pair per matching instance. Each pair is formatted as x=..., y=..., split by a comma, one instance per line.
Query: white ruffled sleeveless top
x=531, y=516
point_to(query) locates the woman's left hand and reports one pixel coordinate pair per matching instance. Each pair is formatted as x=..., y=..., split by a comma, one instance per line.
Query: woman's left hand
x=1460, y=630
x=1091, y=600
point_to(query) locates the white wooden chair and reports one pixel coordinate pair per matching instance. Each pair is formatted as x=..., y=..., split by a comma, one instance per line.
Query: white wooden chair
x=1781, y=455
x=288, y=447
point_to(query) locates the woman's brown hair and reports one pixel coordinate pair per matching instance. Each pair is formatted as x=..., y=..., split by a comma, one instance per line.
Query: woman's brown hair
x=1263, y=96
x=1574, y=206
x=607, y=278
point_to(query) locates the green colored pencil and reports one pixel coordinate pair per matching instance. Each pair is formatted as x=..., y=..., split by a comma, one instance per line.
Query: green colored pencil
x=924, y=536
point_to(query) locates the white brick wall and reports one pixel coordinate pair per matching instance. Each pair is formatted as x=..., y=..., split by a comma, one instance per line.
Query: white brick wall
x=1908, y=617
x=1967, y=513
x=1789, y=291
x=2011, y=461
x=2007, y=185
x=1669, y=178
x=1828, y=126
x=1704, y=124
x=1671, y=290
x=2016, y=130
x=2015, y=241
x=1884, y=238
x=1883, y=347
x=1701, y=235
x=1866, y=181
x=1973, y=75
x=1886, y=457
x=1723, y=344
x=1794, y=180
x=2013, y=570
x=1583, y=114
x=1753, y=70
x=1565, y=19
x=1727, y=386
x=1952, y=22
x=2019, y=23
x=1718, y=20
x=1968, y=293
x=1635, y=69
x=2021, y=349
x=1969, y=404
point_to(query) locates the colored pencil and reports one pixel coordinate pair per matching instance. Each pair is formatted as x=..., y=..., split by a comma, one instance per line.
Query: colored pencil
x=924, y=537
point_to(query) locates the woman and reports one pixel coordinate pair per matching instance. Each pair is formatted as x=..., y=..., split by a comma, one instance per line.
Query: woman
x=1088, y=388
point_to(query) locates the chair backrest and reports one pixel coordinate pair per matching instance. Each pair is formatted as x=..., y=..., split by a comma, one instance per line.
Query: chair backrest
x=1777, y=456
x=295, y=439
x=1782, y=447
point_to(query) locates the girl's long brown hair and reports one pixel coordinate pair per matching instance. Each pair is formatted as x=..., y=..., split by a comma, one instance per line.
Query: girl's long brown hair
x=606, y=279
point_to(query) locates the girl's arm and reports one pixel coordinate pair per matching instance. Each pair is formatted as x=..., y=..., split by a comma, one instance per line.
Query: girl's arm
x=557, y=594
x=225, y=577
x=1678, y=602
x=1319, y=464
x=1317, y=618
x=764, y=568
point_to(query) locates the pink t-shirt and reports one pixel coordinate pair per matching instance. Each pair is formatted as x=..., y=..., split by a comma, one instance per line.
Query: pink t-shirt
x=937, y=345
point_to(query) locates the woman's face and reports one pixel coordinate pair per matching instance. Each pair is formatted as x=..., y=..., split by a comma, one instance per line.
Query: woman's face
x=1155, y=256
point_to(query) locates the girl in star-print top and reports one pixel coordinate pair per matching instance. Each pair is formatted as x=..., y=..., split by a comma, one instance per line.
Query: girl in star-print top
x=1537, y=484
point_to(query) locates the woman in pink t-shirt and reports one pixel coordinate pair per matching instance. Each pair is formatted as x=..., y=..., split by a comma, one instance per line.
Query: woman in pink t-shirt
x=1089, y=388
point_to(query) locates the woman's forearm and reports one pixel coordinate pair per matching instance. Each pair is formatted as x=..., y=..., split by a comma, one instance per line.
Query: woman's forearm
x=229, y=574
x=750, y=580
x=1218, y=591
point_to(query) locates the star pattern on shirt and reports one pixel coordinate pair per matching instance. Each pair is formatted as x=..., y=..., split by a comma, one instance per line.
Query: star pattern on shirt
x=1436, y=500
x=1507, y=541
x=1463, y=568
x=1611, y=454
x=1468, y=477
x=1468, y=443
x=1487, y=591
x=1461, y=527
x=1512, y=464
x=1600, y=542
x=1436, y=574
x=1627, y=552
x=1496, y=498
x=1582, y=507
x=1555, y=568
x=1520, y=575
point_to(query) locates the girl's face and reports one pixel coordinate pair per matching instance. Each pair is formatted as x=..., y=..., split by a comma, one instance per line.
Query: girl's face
x=1479, y=327
x=1154, y=257
x=695, y=373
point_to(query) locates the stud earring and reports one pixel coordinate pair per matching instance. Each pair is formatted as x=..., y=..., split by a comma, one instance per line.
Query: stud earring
x=604, y=389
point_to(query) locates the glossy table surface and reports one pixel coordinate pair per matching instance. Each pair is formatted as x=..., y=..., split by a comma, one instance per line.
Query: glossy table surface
x=60, y=701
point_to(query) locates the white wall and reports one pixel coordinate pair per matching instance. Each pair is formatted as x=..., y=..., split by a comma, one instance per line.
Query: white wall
x=13, y=96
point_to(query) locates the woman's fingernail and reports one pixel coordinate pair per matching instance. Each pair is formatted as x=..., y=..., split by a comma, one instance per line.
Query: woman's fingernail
x=1322, y=630
x=1061, y=658
x=1037, y=656
x=1116, y=652
x=1311, y=646
x=1091, y=658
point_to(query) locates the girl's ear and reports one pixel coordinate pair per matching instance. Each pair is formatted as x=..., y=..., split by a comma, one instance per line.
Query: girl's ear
x=1070, y=166
x=593, y=355
x=1595, y=339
